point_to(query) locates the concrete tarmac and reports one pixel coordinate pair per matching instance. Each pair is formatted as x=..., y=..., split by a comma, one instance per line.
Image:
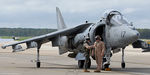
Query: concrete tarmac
x=23, y=63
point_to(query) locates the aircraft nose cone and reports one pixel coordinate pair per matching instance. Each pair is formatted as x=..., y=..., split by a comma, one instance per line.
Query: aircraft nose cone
x=132, y=36
x=136, y=35
x=128, y=37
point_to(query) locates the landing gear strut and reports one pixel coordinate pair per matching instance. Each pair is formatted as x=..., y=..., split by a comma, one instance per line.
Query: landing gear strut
x=123, y=62
x=106, y=60
x=38, y=63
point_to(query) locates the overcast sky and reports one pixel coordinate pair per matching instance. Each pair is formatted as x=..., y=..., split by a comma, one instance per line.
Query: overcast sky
x=42, y=13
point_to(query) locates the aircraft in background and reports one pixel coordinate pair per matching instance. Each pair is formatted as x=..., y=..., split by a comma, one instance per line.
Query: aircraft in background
x=113, y=28
x=144, y=45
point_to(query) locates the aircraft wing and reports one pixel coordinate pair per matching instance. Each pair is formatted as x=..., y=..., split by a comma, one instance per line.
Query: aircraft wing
x=49, y=37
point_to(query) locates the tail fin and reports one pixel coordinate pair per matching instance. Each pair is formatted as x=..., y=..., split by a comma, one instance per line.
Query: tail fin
x=60, y=20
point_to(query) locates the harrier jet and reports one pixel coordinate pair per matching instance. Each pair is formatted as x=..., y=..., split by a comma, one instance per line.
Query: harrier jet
x=115, y=30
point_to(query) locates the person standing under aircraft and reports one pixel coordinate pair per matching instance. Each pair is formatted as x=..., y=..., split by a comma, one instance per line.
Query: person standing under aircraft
x=99, y=52
x=87, y=46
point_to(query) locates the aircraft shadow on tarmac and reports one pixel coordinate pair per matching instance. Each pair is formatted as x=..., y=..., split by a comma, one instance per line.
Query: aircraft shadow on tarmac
x=58, y=66
x=135, y=70
x=63, y=66
x=54, y=66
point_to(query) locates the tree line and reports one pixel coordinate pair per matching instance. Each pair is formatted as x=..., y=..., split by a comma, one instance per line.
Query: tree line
x=24, y=32
x=144, y=33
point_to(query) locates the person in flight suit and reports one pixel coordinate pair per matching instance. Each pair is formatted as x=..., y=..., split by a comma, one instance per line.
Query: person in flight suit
x=87, y=46
x=99, y=52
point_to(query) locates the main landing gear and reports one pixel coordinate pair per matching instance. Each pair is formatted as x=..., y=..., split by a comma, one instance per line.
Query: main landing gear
x=81, y=63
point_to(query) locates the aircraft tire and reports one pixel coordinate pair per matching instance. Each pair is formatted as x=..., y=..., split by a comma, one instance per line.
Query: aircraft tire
x=123, y=65
x=81, y=63
x=89, y=63
x=105, y=66
x=38, y=64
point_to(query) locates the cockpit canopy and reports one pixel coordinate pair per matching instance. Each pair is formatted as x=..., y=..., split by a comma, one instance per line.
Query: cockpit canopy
x=116, y=18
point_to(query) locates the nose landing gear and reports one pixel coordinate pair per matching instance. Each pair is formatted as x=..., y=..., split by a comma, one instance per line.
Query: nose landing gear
x=123, y=65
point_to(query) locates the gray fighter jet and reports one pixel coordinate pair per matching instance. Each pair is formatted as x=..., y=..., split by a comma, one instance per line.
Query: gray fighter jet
x=115, y=30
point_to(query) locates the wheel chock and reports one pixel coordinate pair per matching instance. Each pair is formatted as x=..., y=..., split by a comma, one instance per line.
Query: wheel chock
x=107, y=69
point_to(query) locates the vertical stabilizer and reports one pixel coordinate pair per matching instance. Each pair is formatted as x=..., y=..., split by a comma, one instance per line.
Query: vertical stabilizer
x=60, y=20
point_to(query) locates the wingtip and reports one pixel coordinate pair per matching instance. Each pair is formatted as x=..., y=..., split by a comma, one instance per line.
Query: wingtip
x=3, y=47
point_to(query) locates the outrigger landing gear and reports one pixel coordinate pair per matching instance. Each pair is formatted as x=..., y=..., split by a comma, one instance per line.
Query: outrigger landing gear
x=123, y=62
x=38, y=63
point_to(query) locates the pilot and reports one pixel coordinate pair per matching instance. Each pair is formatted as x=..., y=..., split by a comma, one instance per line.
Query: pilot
x=99, y=52
x=87, y=46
